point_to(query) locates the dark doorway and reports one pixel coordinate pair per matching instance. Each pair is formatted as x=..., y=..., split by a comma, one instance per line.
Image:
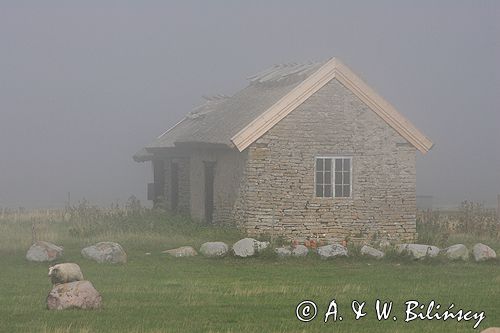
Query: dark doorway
x=174, y=186
x=159, y=181
x=209, y=191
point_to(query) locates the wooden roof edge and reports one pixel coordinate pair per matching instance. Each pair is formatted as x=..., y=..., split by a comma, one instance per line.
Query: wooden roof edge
x=330, y=70
x=171, y=128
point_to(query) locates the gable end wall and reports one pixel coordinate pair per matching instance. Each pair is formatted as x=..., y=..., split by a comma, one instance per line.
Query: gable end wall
x=277, y=194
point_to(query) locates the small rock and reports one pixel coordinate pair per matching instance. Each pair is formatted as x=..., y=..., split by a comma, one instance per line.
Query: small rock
x=483, y=252
x=44, y=251
x=283, y=252
x=332, y=250
x=300, y=251
x=457, y=252
x=261, y=246
x=78, y=294
x=372, y=252
x=214, y=249
x=183, y=251
x=105, y=252
x=418, y=251
x=248, y=247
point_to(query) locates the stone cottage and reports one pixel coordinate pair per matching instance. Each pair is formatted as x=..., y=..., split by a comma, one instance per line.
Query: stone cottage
x=304, y=151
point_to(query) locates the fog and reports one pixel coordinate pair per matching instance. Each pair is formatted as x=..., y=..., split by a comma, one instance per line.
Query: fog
x=85, y=85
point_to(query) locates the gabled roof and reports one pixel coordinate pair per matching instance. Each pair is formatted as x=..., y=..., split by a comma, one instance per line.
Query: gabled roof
x=240, y=120
x=333, y=69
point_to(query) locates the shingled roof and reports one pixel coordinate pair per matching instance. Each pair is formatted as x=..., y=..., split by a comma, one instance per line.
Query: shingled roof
x=239, y=120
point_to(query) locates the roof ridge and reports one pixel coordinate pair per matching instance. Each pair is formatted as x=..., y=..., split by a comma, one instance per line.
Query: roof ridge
x=282, y=72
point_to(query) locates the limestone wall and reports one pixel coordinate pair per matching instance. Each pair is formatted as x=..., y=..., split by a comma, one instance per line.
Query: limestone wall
x=277, y=190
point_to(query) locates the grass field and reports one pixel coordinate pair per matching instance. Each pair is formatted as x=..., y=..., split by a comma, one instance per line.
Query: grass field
x=156, y=293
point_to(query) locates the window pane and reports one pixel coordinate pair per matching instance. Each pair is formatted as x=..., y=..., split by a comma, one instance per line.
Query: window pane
x=328, y=177
x=347, y=178
x=319, y=190
x=319, y=164
x=347, y=191
x=319, y=177
x=338, y=190
x=338, y=177
x=347, y=163
x=328, y=191
x=328, y=164
x=338, y=164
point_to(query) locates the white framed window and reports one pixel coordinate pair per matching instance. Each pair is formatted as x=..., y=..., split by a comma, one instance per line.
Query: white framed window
x=333, y=177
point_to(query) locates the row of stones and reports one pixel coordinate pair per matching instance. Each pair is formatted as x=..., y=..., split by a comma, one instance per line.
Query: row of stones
x=109, y=252
x=243, y=248
x=248, y=247
x=480, y=252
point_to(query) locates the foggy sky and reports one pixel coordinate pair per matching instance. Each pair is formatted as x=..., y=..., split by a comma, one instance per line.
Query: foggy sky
x=84, y=86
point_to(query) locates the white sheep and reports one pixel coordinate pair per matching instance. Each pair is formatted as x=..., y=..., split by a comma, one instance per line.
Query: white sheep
x=64, y=273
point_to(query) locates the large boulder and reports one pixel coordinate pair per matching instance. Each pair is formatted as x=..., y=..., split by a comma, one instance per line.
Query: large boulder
x=214, y=249
x=483, y=252
x=183, y=251
x=105, y=252
x=248, y=247
x=300, y=251
x=457, y=252
x=78, y=294
x=418, y=251
x=332, y=250
x=372, y=252
x=44, y=251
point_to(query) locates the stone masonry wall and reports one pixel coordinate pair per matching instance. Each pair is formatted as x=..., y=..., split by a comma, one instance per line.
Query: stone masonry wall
x=277, y=190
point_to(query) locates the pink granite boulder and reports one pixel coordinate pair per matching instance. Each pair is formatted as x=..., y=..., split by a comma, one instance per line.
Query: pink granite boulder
x=74, y=295
x=42, y=251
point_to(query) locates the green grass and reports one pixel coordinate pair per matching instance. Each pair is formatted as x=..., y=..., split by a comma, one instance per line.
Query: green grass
x=156, y=293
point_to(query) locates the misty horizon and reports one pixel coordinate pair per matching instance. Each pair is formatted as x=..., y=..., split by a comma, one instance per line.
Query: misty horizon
x=84, y=87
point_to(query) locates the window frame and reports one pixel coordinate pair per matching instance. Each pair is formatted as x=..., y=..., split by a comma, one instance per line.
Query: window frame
x=333, y=158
